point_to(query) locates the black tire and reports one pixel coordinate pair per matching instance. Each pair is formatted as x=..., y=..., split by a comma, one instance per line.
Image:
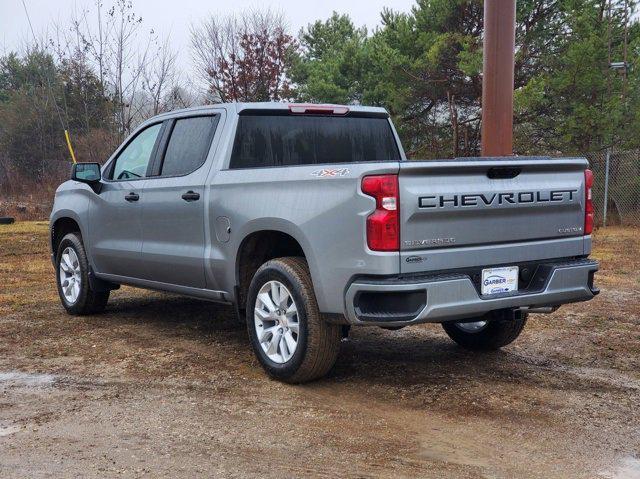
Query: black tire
x=318, y=342
x=6, y=220
x=88, y=300
x=496, y=334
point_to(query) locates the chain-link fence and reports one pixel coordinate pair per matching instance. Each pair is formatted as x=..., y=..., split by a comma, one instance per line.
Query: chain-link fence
x=616, y=186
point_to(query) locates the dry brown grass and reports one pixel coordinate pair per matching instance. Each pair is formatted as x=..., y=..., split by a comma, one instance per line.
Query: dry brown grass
x=25, y=266
x=618, y=250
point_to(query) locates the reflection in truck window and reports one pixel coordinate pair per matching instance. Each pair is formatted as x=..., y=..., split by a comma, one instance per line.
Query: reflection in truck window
x=286, y=140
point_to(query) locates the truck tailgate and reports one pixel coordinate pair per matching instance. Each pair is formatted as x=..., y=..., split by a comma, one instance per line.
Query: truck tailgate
x=475, y=203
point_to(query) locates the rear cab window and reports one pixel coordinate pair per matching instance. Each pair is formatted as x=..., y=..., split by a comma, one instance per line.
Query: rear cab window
x=272, y=139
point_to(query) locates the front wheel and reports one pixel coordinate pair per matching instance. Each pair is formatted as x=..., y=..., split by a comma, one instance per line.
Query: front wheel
x=288, y=334
x=74, y=288
x=486, y=333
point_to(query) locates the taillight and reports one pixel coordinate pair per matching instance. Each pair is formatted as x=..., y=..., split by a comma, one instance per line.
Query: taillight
x=383, y=228
x=588, y=202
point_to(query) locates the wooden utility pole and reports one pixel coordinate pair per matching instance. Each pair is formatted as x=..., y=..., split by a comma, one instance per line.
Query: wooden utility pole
x=497, y=77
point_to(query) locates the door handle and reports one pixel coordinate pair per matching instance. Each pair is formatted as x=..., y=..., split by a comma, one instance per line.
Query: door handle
x=132, y=197
x=191, y=196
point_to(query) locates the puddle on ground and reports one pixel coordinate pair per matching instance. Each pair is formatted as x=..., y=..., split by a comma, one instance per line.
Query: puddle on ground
x=7, y=429
x=627, y=468
x=26, y=379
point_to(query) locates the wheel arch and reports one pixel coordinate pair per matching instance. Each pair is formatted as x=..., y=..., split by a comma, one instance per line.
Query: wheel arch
x=262, y=243
x=63, y=224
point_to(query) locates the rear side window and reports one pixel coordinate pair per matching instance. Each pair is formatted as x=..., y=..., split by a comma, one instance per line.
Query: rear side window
x=188, y=145
x=285, y=140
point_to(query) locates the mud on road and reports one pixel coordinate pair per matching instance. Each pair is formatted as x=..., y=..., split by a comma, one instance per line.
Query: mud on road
x=161, y=386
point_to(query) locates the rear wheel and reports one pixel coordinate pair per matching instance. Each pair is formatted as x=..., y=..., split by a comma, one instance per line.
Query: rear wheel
x=288, y=334
x=486, y=333
x=76, y=294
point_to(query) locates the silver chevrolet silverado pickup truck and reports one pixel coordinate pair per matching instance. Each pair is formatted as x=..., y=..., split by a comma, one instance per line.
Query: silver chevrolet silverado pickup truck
x=308, y=219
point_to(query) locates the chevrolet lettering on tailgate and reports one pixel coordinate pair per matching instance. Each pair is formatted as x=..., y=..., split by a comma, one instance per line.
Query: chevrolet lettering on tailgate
x=493, y=199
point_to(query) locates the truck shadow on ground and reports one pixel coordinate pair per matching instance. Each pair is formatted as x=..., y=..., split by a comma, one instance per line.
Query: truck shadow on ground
x=411, y=357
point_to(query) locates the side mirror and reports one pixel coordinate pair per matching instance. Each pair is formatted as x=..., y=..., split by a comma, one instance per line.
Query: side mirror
x=86, y=173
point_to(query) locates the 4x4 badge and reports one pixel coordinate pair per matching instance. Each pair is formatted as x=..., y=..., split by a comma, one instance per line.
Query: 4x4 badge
x=330, y=172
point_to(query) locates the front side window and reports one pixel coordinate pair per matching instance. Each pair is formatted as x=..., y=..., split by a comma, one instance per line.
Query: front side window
x=264, y=140
x=132, y=162
x=189, y=145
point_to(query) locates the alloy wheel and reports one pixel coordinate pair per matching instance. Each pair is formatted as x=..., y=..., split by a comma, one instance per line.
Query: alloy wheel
x=276, y=321
x=70, y=275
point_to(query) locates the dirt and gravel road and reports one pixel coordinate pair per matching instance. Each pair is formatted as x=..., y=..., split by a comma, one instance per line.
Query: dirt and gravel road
x=161, y=386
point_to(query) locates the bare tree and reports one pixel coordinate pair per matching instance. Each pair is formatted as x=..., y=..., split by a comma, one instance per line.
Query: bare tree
x=113, y=43
x=159, y=78
x=128, y=59
x=182, y=96
x=244, y=58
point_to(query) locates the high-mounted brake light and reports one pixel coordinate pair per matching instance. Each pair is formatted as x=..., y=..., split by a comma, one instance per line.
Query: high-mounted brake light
x=311, y=109
x=588, y=202
x=383, y=228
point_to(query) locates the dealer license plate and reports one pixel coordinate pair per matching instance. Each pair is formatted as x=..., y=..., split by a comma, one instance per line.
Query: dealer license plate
x=499, y=280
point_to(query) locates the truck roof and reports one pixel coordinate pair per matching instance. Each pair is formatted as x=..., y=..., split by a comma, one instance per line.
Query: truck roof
x=272, y=105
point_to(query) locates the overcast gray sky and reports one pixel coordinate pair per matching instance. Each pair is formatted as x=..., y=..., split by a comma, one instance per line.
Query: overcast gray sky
x=174, y=17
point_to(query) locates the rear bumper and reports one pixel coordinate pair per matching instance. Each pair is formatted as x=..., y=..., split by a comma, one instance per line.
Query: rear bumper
x=451, y=296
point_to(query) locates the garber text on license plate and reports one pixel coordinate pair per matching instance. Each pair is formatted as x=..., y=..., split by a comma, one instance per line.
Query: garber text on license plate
x=499, y=280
